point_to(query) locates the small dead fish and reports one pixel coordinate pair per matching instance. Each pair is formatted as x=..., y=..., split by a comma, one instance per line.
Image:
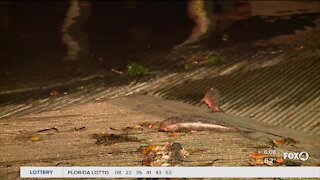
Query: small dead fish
x=212, y=99
x=186, y=124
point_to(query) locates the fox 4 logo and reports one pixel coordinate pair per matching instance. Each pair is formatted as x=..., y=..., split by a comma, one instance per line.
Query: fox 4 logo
x=302, y=156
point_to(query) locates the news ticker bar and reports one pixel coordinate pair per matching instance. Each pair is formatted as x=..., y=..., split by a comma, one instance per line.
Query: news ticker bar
x=169, y=172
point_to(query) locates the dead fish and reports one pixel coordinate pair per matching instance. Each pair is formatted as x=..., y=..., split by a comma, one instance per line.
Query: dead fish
x=187, y=124
x=212, y=99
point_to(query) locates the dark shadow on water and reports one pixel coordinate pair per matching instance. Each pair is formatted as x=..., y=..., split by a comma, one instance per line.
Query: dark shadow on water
x=257, y=28
x=115, y=34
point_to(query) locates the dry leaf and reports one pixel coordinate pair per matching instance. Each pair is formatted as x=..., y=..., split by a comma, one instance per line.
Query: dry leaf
x=108, y=139
x=149, y=125
x=153, y=147
x=153, y=126
x=54, y=93
x=174, y=134
x=278, y=142
x=300, y=47
x=170, y=154
x=257, y=156
x=290, y=141
x=284, y=141
x=257, y=162
x=34, y=138
x=280, y=160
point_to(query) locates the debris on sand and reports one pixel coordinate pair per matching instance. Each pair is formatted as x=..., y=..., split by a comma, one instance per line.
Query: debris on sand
x=108, y=139
x=265, y=159
x=49, y=129
x=285, y=141
x=171, y=154
x=35, y=138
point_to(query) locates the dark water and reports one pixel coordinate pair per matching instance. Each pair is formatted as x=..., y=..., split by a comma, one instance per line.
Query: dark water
x=107, y=33
x=32, y=47
x=110, y=33
x=33, y=29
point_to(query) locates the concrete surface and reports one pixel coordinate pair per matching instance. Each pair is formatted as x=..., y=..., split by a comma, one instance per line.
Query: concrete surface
x=70, y=147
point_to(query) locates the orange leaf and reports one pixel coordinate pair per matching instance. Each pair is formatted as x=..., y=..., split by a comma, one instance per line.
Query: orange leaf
x=284, y=141
x=174, y=134
x=257, y=156
x=278, y=142
x=34, y=138
x=280, y=160
x=150, y=148
x=153, y=126
x=257, y=162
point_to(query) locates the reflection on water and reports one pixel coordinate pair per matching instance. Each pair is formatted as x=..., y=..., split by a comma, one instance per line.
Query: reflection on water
x=73, y=35
x=73, y=47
